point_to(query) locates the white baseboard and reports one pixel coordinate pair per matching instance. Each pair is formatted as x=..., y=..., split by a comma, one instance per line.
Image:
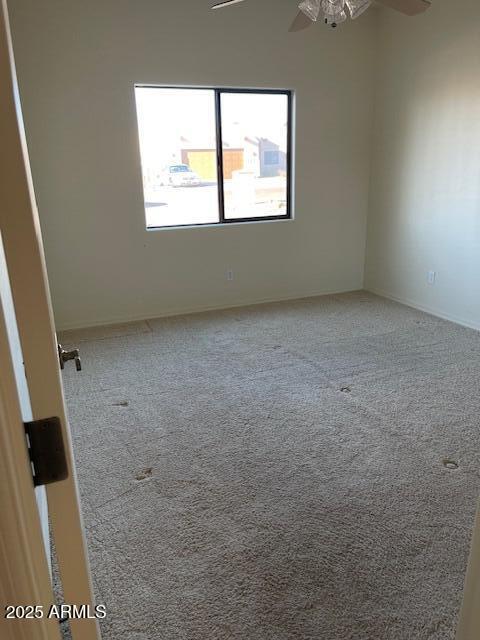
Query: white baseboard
x=197, y=309
x=470, y=324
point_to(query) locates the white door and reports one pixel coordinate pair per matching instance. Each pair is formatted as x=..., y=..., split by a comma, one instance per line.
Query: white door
x=13, y=349
x=31, y=333
x=24, y=536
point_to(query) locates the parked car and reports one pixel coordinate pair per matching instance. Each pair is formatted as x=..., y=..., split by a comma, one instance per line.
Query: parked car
x=179, y=175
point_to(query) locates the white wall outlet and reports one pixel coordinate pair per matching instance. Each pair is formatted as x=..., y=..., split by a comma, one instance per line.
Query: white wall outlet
x=230, y=275
x=431, y=277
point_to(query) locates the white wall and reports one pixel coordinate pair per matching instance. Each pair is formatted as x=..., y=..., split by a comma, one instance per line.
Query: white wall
x=77, y=64
x=425, y=190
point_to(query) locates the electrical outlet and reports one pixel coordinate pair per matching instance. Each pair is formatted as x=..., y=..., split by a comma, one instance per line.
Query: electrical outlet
x=230, y=275
x=431, y=277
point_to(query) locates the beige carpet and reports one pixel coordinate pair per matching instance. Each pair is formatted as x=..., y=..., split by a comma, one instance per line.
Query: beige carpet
x=284, y=471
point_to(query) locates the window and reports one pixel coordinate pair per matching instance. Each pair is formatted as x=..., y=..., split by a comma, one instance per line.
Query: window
x=214, y=156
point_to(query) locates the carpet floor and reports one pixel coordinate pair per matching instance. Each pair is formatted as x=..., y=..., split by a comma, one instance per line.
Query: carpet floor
x=300, y=470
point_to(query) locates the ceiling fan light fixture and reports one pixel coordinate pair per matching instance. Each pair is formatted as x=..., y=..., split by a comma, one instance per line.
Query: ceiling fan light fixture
x=357, y=7
x=311, y=8
x=334, y=12
x=329, y=7
x=335, y=19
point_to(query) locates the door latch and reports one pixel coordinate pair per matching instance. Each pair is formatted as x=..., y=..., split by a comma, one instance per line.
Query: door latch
x=65, y=356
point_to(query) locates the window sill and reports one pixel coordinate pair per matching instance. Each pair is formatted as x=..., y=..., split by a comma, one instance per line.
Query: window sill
x=219, y=225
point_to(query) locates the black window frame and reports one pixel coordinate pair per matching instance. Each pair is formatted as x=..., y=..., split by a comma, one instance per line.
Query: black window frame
x=218, y=91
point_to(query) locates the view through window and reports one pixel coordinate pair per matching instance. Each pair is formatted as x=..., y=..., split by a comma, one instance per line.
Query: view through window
x=214, y=155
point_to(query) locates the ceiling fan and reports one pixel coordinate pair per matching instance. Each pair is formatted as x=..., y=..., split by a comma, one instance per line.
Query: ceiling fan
x=334, y=12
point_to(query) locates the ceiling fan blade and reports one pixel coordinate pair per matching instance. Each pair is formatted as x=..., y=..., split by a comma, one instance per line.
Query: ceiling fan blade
x=300, y=23
x=407, y=7
x=225, y=3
